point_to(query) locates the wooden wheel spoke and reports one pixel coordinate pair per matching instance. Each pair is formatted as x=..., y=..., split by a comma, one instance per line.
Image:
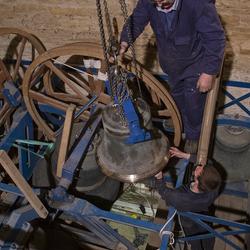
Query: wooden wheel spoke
x=33, y=53
x=164, y=112
x=4, y=74
x=155, y=98
x=67, y=81
x=81, y=82
x=5, y=112
x=43, y=99
x=104, y=98
x=91, y=81
x=70, y=98
x=19, y=58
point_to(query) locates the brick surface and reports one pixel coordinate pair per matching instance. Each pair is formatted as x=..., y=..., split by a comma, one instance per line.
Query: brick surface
x=58, y=22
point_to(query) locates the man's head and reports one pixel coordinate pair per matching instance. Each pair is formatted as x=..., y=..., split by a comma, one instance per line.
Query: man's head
x=164, y=4
x=208, y=178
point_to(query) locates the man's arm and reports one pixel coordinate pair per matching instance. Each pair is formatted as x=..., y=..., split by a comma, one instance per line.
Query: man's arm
x=162, y=189
x=176, y=198
x=137, y=21
x=213, y=41
x=175, y=152
x=168, y=194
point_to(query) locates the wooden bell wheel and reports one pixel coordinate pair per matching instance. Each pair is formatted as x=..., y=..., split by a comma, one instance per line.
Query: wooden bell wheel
x=18, y=47
x=60, y=76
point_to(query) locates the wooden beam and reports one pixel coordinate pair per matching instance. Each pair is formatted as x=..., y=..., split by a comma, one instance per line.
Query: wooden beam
x=207, y=122
x=22, y=184
x=64, y=145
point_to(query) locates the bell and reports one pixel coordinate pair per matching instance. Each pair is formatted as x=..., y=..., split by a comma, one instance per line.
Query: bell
x=130, y=162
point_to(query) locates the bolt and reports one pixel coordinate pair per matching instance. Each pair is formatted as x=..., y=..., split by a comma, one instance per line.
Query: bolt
x=6, y=227
x=13, y=246
x=25, y=225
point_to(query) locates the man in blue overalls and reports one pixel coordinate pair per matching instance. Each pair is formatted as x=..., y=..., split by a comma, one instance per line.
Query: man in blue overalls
x=190, y=42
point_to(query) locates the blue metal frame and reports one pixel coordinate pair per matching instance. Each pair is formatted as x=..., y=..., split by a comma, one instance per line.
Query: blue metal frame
x=79, y=152
x=19, y=228
x=82, y=210
x=137, y=134
x=12, y=94
x=230, y=120
x=22, y=128
x=201, y=219
x=234, y=100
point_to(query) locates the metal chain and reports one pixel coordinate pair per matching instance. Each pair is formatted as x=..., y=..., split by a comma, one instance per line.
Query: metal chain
x=104, y=44
x=117, y=77
x=107, y=18
x=127, y=21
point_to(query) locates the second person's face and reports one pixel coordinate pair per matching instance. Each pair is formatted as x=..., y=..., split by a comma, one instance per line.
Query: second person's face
x=164, y=4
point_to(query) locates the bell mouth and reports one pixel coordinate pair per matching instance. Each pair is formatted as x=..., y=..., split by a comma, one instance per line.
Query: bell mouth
x=130, y=162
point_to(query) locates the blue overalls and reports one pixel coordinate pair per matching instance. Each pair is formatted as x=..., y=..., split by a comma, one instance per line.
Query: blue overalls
x=190, y=41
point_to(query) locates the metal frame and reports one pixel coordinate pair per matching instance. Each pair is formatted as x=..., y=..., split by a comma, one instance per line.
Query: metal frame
x=22, y=128
x=234, y=100
x=82, y=211
x=93, y=217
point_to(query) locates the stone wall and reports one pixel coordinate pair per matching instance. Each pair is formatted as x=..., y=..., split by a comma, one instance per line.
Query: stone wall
x=57, y=22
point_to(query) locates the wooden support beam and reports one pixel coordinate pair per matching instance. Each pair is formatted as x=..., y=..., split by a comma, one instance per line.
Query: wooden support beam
x=207, y=122
x=22, y=184
x=64, y=145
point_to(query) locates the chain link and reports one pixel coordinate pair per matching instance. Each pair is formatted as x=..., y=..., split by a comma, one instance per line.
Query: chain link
x=119, y=79
x=117, y=76
x=104, y=43
x=127, y=22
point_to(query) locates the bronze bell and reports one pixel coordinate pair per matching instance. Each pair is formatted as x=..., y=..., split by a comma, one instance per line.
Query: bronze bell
x=130, y=162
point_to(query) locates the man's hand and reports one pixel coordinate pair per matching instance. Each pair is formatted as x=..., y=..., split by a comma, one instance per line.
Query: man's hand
x=205, y=82
x=123, y=49
x=198, y=171
x=159, y=176
x=178, y=153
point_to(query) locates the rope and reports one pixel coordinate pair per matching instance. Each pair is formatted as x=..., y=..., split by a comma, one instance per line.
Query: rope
x=71, y=67
x=166, y=232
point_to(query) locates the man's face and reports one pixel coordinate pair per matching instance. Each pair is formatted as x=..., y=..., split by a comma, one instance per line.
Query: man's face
x=164, y=4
